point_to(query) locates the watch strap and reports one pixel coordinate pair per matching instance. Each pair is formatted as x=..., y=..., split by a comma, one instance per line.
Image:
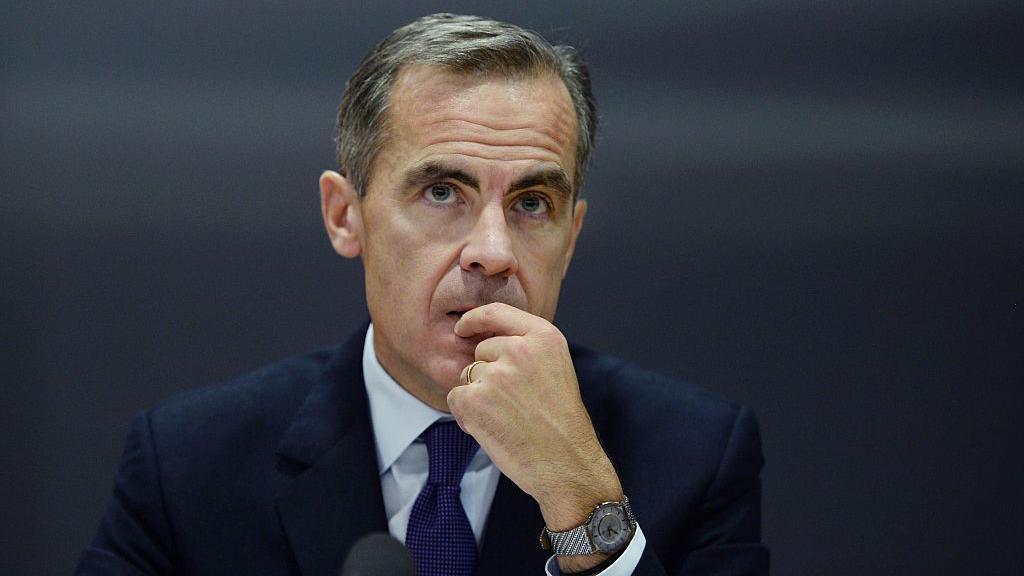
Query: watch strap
x=572, y=542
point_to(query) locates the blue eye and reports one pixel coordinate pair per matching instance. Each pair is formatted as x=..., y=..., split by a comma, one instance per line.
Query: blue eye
x=533, y=204
x=441, y=194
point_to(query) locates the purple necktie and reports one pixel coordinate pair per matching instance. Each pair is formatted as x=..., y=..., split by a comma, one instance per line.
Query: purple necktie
x=439, y=535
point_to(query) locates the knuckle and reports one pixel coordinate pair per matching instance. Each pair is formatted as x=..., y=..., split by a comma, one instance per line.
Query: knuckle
x=455, y=395
x=483, y=350
x=462, y=424
x=498, y=372
x=552, y=334
x=463, y=405
x=518, y=348
x=469, y=398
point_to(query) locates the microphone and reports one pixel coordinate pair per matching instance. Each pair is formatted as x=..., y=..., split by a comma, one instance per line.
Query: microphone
x=378, y=554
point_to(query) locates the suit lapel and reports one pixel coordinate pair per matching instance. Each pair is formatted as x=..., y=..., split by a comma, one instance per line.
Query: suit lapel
x=333, y=496
x=511, y=543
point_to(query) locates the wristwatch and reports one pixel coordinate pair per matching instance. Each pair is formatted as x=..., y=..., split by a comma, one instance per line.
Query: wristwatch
x=608, y=529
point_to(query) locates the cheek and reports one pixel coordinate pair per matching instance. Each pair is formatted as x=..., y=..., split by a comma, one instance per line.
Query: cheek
x=541, y=274
x=405, y=266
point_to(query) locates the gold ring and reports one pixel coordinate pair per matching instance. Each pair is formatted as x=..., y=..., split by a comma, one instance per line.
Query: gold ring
x=469, y=373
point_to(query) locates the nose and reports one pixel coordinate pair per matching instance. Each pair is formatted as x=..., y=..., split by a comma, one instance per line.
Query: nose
x=488, y=248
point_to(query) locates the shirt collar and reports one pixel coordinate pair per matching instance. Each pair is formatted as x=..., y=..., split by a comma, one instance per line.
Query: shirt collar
x=398, y=417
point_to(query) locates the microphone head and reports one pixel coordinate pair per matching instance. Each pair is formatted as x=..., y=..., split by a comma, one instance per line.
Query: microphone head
x=378, y=554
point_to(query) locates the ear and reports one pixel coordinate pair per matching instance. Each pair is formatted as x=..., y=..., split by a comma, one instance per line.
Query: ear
x=342, y=219
x=578, y=213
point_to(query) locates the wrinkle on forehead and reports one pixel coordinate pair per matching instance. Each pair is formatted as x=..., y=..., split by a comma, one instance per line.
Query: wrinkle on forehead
x=546, y=137
x=438, y=111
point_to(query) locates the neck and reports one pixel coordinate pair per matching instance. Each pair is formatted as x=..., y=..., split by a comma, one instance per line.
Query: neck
x=408, y=378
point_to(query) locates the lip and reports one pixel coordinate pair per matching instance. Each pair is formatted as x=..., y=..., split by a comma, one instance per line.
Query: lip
x=473, y=340
x=458, y=311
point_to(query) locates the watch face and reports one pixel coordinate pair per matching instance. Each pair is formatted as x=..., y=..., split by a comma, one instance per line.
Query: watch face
x=610, y=527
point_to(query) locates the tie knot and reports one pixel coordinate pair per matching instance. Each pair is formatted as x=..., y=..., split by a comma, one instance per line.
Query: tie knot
x=450, y=451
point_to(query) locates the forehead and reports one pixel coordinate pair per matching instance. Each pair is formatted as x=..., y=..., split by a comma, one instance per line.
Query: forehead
x=437, y=112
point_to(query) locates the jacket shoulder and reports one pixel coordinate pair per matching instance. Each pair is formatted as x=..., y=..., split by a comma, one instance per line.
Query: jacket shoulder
x=263, y=392
x=234, y=422
x=612, y=384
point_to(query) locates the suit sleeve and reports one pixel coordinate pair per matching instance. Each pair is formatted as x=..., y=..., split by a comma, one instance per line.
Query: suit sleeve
x=134, y=535
x=727, y=533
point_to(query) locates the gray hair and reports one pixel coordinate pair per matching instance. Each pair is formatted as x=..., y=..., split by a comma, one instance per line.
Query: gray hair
x=466, y=45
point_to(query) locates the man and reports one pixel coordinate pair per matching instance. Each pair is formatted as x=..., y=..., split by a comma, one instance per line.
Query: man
x=462, y=144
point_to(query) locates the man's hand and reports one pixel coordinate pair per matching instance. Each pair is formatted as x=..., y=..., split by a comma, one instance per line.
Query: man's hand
x=525, y=410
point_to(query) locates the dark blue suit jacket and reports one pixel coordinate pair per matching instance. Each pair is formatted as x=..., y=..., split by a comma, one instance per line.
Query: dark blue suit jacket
x=275, y=473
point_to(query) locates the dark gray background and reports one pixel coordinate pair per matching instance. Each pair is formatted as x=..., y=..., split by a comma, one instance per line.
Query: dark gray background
x=814, y=208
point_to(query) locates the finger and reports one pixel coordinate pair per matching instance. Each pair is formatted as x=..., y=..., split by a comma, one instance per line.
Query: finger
x=498, y=318
x=463, y=403
x=454, y=404
x=493, y=348
x=477, y=369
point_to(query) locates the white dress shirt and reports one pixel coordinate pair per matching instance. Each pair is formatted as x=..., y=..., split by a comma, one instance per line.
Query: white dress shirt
x=399, y=418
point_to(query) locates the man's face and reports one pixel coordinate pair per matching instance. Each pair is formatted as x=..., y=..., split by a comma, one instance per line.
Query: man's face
x=469, y=202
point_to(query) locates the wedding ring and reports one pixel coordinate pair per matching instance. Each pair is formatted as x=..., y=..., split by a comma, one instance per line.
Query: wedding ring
x=469, y=373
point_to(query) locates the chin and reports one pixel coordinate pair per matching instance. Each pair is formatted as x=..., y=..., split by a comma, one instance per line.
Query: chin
x=449, y=354
x=448, y=370
x=445, y=339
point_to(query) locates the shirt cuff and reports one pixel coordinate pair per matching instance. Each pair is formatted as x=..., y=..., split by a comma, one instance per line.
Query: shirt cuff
x=623, y=565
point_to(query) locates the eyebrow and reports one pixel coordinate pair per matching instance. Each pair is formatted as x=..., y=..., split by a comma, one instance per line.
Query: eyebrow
x=428, y=172
x=553, y=178
x=434, y=171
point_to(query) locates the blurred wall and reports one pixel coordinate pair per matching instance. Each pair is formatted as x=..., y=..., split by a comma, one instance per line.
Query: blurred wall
x=816, y=209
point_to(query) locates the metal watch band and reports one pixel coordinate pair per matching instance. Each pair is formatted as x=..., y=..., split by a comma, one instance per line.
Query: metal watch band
x=577, y=541
x=571, y=542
